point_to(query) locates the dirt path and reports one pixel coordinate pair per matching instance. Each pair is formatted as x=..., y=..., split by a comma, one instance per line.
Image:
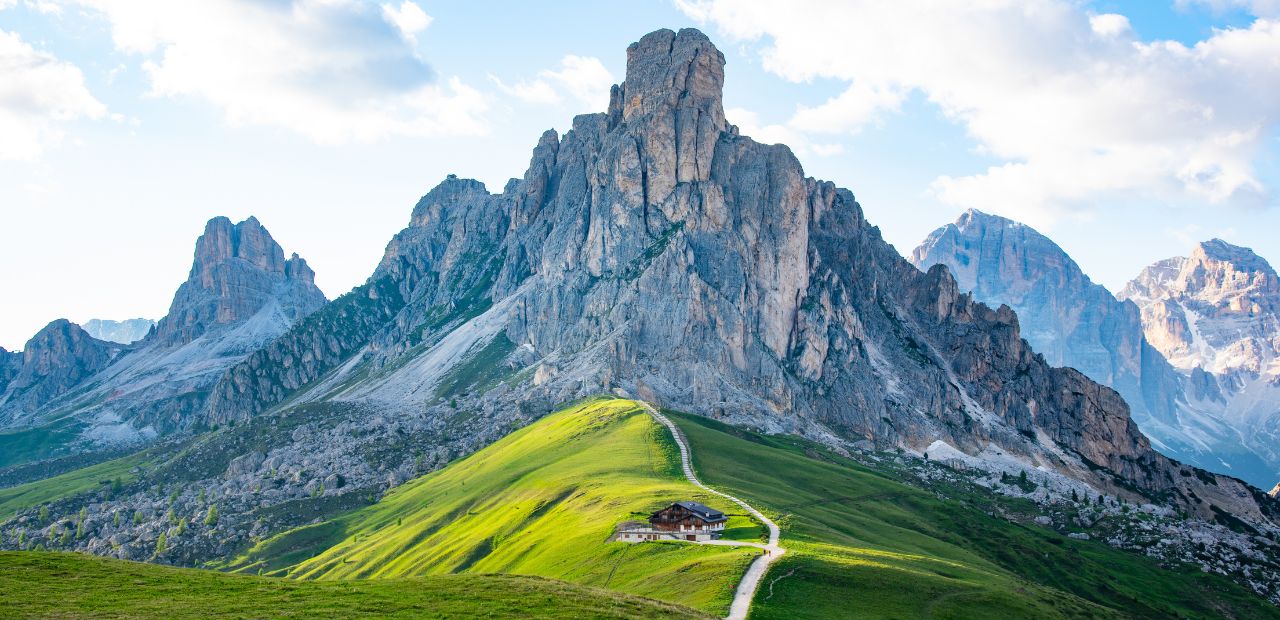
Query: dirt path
x=755, y=573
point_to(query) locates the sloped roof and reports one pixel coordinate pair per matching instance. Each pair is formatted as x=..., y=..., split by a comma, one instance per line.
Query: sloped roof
x=705, y=512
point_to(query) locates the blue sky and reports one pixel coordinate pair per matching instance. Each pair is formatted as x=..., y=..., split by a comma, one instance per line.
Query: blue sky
x=1125, y=130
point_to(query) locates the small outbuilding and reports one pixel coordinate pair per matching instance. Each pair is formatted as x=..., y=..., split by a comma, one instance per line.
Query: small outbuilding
x=686, y=520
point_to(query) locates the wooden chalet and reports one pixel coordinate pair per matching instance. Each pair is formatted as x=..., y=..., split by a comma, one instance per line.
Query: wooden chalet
x=680, y=521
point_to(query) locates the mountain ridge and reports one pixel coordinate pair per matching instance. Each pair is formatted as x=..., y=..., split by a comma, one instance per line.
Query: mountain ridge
x=127, y=331
x=1216, y=315
x=1076, y=322
x=654, y=250
x=241, y=293
x=651, y=251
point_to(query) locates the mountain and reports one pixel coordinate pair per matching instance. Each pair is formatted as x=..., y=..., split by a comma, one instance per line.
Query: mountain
x=56, y=359
x=1215, y=314
x=655, y=251
x=127, y=331
x=1074, y=322
x=241, y=293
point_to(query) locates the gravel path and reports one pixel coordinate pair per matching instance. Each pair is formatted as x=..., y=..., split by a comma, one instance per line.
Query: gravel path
x=755, y=573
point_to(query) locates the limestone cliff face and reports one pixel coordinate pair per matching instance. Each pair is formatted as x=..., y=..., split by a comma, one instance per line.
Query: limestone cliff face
x=1075, y=322
x=54, y=361
x=10, y=363
x=238, y=269
x=654, y=250
x=1216, y=315
x=1217, y=309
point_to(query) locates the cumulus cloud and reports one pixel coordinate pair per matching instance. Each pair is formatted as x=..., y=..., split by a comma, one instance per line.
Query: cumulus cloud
x=584, y=79
x=333, y=70
x=1076, y=106
x=409, y=18
x=749, y=124
x=39, y=95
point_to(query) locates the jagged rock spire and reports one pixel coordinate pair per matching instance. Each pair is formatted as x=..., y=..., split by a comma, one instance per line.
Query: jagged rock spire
x=236, y=270
x=671, y=71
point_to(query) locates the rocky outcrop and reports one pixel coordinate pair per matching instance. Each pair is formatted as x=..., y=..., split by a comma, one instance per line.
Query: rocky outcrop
x=10, y=364
x=1216, y=315
x=1217, y=309
x=237, y=271
x=58, y=358
x=653, y=250
x=242, y=293
x=127, y=331
x=1074, y=322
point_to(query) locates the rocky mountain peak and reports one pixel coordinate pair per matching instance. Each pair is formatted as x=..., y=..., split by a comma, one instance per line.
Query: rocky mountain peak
x=223, y=241
x=988, y=253
x=1242, y=258
x=53, y=361
x=653, y=250
x=1217, y=308
x=1216, y=315
x=297, y=270
x=668, y=71
x=237, y=269
x=1229, y=276
x=1074, y=322
x=441, y=202
x=1215, y=272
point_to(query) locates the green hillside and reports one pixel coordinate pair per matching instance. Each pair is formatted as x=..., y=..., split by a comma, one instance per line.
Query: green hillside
x=535, y=510
x=105, y=475
x=542, y=501
x=68, y=585
x=864, y=545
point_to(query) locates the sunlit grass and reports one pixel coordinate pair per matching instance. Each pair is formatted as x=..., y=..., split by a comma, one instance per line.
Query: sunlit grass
x=542, y=501
x=68, y=585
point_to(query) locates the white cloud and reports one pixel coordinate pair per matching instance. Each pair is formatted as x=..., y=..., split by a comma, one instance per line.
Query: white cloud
x=749, y=124
x=39, y=94
x=1077, y=107
x=333, y=70
x=409, y=18
x=1109, y=24
x=583, y=78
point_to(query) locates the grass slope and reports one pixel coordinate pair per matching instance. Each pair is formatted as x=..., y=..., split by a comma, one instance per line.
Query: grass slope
x=542, y=501
x=67, y=585
x=863, y=545
x=36, y=443
x=20, y=497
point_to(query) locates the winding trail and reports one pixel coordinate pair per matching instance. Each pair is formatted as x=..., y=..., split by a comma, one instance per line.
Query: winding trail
x=755, y=573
